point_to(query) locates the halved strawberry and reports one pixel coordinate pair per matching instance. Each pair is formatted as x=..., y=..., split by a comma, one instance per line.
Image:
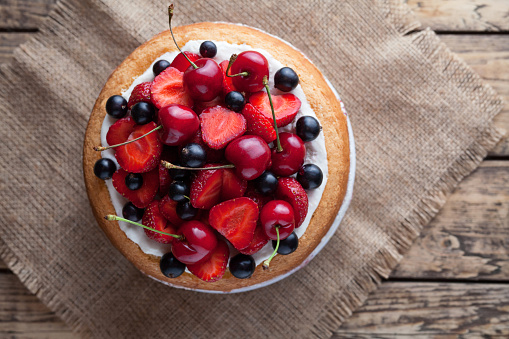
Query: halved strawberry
x=142, y=155
x=259, y=240
x=236, y=220
x=120, y=131
x=169, y=154
x=233, y=186
x=154, y=219
x=286, y=106
x=258, y=124
x=213, y=269
x=291, y=191
x=181, y=63
x=168, y=88
x=142, y=196
x=168, y=208
x=206, y=188
x=227, y=81
x=141, y=92
x=220, y=125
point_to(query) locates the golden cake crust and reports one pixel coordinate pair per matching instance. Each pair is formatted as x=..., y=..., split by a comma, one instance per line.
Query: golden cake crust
x=319, y=95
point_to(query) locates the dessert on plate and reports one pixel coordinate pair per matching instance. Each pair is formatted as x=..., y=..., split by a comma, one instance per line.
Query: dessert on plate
x=217, y=157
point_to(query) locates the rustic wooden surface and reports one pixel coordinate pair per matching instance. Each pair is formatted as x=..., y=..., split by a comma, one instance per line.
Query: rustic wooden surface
x=454, y=281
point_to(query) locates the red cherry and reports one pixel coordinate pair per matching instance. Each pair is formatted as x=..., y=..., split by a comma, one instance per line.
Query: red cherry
x=250, y=155
x=288, y=161
x=198, y=243
x=205, y=82
x=255, y=65
x=277, y=214
x=179, y=124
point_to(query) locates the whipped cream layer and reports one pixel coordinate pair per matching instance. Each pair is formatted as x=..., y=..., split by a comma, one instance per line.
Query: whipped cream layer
x=316, y=152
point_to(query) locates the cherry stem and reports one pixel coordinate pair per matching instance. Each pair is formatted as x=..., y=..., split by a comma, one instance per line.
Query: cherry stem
x=100, y=148
x=111, y=217
x=266, y=263
x=278, y=143
x=169, y=165
x=230, y=63
x=170, y=15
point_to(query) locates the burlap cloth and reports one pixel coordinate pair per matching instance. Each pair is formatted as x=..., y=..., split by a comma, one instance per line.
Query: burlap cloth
x=422, y=121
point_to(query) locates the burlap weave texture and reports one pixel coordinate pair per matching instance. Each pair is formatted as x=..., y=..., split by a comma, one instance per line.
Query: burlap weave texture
x=421, y=119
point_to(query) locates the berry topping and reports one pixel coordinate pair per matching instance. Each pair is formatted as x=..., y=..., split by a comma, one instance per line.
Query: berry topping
x=179, y=174
x=286, y=79
x=140, y=93
x=142, y=196
x=186, y=211
x=196, y=243
x=134, y=181
x=168, y=88
x=233, y=186
x=288, y=161
x=131, y=212
x=206, y=188
x=205, y=81
x=220, y=125
x=213, y=268
x=170, y=266
x=250, y=155
x=227, y=81
x=168, y=208
x=181, y=63
x=288, y=245
x=143, y=113
x=142, y=155
x=277, y=215
x=200, y=106
x=258, y=124
x=160, y=66
x=165, y=179
x=120, y=131
x=236, y=220
x=179, y=191
x=208, y=49
x=286, y=106
x=248, y=70
x=259, y=198
x=292, y=192
x=116, y=106
x=104, y=168
x=193, y=155
x=242, y=266
x=310, y=176
x=179, y=124
x=308, y=128
x=266, y=183
x=155, y=220
x=259, y=241
x=235, y=101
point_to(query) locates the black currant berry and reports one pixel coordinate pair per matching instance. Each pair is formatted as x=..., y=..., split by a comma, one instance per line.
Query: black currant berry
x=193, y=155
x=180, y=174
x=131, y=212
x=310, y=176
x=160, y=66
x=208, y=49
x=143, y=113
x=235, y=101
x=134, y=181
x=266, y=183
x=186, y=211
x=288, y=245
x=179, y=191
x=286, y=79
x=242, y=266
x=104, y=168
x=308, y=128
x=116, y=106
x=170, y=266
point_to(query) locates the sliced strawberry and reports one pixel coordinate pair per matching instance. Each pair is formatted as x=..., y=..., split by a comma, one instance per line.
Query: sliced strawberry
x=259, y=198
x=142, y=155
x=200, y=106
x=286, y=106
x=233, y=186
x=290, y=190
x=213, y=269
x=181, y=63
x=154, y=219
x=140, y=197
x=206, y=188
x=120, y=131
x=259, y=240
x=141, y=92
x=168, y=88
x=258, y=124
x=227, y=81
x=220, y=125
x=236, y=220
x=168, y=209
x=169, y=154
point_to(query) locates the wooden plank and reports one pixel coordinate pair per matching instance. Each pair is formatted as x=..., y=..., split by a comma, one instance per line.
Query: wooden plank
x=8, y=42
x=3, y=266
x=488, y=55
x=23, y=14
x=462, y=15
x=469, y=238
x=22, y=315
x=431, y=310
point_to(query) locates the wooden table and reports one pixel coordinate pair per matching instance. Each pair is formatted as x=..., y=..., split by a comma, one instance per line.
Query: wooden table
x=453, y=281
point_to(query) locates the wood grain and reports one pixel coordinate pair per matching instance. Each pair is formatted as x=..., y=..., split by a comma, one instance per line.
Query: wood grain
x=23, y=14
x=469, y=238
x=22, y=315
x=462, y=15
x=8, y=42
x=431, y=310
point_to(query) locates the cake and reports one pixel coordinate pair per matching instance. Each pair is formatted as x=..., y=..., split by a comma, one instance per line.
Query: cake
x=330, y=150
